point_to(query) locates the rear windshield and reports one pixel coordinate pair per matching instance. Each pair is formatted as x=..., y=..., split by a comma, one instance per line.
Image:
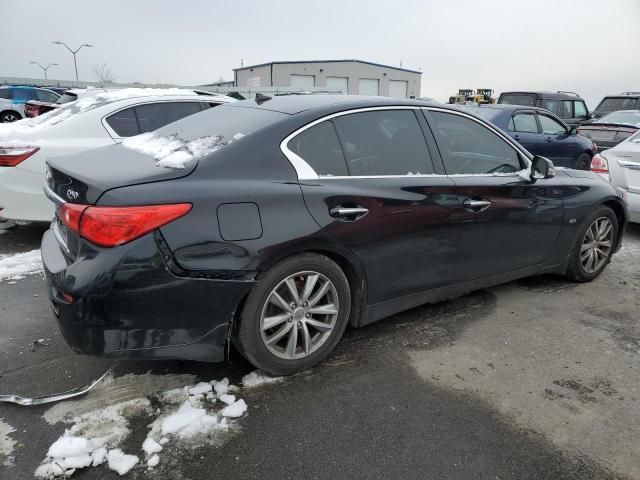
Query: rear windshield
x=631, y=117
x=226, y=122
x=611, y=104
x=67, y=97
x=518, y=99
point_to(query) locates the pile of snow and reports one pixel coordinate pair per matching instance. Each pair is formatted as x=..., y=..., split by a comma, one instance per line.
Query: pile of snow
x=175, y=152
x=7, y=444
x=258, y=378
x=15, y=267
x=191, y=414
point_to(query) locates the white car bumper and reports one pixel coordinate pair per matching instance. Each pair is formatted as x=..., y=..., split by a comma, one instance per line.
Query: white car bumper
x=21, y=196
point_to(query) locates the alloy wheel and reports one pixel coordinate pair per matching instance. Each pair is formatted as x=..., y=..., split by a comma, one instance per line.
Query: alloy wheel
x=299, y=315
x=596, y=245
x=9, y=117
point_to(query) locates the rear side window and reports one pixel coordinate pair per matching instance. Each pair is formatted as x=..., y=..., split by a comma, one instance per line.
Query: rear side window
x=385, y=142
x=124, y=123
x=468, y=147
x=525, y=123
x=152, y=116
x=580, y=110
x=46, y=96
x=319, y=147
x=526, y=100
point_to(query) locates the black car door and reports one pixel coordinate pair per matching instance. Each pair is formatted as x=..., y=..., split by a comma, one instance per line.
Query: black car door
x=374, y=189
x=505, y=222
x=559, y=145
x=523, y=127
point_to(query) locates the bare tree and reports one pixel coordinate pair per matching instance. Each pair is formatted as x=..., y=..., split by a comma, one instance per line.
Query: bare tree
x=103, y=74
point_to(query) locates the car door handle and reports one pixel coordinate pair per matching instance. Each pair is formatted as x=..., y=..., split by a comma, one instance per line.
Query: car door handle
x=476, y=205
x=516, y=137
x=348, y=214
x=549, y=139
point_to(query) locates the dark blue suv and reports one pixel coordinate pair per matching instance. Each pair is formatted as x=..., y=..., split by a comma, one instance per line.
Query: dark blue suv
x=540, y=132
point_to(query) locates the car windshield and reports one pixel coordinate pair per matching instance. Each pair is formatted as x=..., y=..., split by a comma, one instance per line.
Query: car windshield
x=518, y=99
x=612, y=104
x=630, y=117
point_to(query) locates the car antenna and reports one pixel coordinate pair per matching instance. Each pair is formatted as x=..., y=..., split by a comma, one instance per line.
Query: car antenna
x=260, y=98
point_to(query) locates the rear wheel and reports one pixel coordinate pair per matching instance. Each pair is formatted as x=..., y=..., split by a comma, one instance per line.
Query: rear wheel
x=583, y=162
x=295, y=315
x=594, y=246
x=9, y=116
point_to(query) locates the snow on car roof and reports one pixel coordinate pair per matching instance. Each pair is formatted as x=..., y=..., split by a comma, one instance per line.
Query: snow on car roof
x=95, y=100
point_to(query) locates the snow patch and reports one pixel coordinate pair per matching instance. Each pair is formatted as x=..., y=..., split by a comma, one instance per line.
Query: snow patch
x=258, y=379
x=7, y=444
x=120, y=461
x=235, y=410
x=17, y=266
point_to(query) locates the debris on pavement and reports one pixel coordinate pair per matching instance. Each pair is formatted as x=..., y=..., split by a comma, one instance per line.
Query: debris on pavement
x=56, y=397
x=258, y=378
x=40, y=341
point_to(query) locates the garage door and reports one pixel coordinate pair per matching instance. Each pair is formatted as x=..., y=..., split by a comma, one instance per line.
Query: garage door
x=303, y=81
x=398, y=88
x=338, y=83
x=368, y=86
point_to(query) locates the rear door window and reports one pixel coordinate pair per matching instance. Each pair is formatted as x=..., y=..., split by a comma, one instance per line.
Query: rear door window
x=22, y=95
x=469, y=148
x=567, y=109
x=525, y=123
x=384, y=142
x=319, y=146
x=124, y=123
x=152, y=116
x=554, y=106
x=5, y=93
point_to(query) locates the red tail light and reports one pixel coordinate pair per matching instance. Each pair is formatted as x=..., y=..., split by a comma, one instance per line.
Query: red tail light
x=599, y=164
x=113, y=226
x=12, y=156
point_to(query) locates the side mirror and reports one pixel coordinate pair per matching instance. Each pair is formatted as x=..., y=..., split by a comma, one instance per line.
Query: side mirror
x=572, y=130
x=542, y=168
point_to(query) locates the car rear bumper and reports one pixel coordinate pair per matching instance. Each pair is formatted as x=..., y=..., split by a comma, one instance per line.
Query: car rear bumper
x=125, y=302
x=21, y=196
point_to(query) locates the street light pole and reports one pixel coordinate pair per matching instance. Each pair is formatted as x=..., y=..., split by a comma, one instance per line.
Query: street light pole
x=73, y=52
x=44, y=69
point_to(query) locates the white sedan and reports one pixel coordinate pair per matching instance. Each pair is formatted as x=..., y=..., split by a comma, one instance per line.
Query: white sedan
x=620, y=165
x=93, y=121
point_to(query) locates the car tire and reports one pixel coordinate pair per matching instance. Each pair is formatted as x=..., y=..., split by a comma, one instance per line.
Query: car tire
x=595, y=241
x=9, y=116
x=583, y=162
x=309, y=333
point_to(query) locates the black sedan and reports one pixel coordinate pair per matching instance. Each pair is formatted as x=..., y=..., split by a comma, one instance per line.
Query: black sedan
x=541, y=133
x=273, y=224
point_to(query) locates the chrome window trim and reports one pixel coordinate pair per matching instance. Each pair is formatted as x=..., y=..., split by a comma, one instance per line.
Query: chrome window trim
x=305, y=171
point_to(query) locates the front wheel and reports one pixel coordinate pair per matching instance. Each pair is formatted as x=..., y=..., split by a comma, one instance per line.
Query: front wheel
x=295, y=315
x=594, y=246
x=8, y=117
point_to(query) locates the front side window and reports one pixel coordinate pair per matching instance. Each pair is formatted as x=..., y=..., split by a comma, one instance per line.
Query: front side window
x=319, y=147
x=525, y=123
x=124, y=123
x=22, y=95
x=468, y=147
x=152, y=116
x=384, y=142
x=580, y=109
x=551, y=126
x=5, y=93
x=46, y=96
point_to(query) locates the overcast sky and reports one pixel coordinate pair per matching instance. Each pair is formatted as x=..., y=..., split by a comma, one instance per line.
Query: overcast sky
x=587, y=46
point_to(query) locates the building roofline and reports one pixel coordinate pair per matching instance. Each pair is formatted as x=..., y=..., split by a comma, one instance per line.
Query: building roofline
x=328, y=61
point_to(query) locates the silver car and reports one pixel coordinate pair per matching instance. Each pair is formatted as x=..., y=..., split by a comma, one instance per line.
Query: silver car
x=620, y=165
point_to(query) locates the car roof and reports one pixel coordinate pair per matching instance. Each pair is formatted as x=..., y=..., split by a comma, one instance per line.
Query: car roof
x=292, y=104
x=506, y=107
x=545, y=93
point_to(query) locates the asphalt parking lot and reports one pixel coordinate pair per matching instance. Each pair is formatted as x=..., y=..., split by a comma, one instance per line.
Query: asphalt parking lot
x=536, y=379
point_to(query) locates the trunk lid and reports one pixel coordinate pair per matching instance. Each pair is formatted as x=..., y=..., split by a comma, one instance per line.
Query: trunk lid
x=83, y=178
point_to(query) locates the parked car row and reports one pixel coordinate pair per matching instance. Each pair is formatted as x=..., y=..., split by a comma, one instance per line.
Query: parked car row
x=14, y=98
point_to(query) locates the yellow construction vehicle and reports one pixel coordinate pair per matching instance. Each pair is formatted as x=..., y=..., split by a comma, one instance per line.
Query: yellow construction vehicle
x=464, y=95
x=484, y=95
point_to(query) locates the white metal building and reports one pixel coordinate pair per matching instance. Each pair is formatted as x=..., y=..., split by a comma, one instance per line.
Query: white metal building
x=354, y=77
